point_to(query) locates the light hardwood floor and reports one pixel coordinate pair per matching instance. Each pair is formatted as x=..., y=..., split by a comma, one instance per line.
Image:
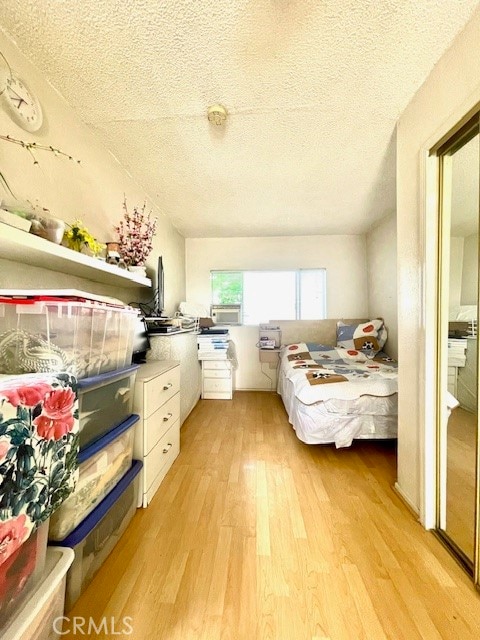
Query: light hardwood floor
x=256, y=536
x=461, y=465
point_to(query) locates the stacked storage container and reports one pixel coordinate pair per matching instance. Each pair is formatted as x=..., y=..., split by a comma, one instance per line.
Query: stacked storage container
x=93, y=340
x=94, y=517
x=69, y=333
x=21, y=573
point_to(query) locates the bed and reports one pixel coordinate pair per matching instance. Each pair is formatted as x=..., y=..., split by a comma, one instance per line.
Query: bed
x=335, y=394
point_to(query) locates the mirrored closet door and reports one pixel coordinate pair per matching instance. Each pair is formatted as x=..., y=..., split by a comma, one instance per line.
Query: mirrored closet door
x=458, y=381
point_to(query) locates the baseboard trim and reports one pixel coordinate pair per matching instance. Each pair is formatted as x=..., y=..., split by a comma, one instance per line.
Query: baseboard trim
x=410, y=506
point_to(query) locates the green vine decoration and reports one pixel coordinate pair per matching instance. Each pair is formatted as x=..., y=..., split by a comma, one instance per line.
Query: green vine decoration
x=31, y=147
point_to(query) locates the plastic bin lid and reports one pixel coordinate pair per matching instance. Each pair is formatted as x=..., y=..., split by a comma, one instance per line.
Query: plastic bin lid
x=107, y=438
x=93, y=381
x=91, y=521
x=61, y=294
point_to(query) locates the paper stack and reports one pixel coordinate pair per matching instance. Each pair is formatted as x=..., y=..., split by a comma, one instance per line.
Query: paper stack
x=213, y=347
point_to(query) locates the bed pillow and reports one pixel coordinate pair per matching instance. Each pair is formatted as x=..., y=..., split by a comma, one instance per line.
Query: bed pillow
x=369, y=337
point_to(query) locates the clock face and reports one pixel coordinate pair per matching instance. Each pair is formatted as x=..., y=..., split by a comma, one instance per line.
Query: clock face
x=22, y=105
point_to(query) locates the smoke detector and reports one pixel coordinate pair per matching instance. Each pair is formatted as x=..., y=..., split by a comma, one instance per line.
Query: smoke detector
x=217, y=114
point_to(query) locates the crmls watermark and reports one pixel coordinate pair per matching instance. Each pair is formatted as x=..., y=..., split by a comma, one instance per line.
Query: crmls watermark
x=78, y=625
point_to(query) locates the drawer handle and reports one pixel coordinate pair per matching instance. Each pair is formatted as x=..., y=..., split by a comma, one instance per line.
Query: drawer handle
x=166, y=387
x=168, y=447
x=167, y=417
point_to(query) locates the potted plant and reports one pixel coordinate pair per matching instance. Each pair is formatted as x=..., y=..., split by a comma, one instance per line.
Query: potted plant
x=135, y=234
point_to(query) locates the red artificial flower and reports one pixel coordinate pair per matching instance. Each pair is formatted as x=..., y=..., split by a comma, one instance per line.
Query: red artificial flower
x=26, y=395
x=12, y=534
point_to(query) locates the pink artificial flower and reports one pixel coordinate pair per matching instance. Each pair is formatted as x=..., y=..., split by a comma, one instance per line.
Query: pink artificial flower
x=12, y=534
x=27, y=395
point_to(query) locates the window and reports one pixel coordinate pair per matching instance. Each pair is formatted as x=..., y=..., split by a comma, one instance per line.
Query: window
x=272, y=295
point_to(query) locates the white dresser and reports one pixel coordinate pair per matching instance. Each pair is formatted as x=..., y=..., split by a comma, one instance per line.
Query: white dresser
x=157, y=435
x=456, y=360
x=467, y=378
x=217, y=383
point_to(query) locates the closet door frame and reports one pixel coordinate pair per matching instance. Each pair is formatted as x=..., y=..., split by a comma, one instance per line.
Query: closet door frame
x=443, y=154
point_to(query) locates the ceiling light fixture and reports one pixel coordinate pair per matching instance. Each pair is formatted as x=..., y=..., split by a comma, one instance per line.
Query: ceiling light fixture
x=217, y=114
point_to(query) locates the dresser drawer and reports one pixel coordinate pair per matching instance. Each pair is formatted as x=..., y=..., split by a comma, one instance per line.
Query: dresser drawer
x=217, y=373
x=159, y=422
x=160, y=389
x=163, y=454
x=217, y=384
x=216, y=364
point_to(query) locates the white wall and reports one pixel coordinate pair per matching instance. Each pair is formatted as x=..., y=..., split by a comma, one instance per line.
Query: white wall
x=92, y=190
x=344, y=257
x=451, y=90
x=382, y=277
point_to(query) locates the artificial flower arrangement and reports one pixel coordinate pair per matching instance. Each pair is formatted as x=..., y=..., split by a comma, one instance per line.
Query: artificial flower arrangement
x=77, y=236
x=135, y=233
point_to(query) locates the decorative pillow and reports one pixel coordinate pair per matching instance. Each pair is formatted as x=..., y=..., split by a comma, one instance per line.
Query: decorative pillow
x=368, y=337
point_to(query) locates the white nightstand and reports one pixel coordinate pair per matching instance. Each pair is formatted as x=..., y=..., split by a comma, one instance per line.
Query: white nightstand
x=217, y=383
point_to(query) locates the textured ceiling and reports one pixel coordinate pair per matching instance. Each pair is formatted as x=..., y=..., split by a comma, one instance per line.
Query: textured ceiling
x=313, y=89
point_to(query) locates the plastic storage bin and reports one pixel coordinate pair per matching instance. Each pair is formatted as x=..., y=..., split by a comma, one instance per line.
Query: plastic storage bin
x=21, y=572
x=40, y=617
x=101, y=465
x=94, y=539
x=83, y=337
x=104, y=402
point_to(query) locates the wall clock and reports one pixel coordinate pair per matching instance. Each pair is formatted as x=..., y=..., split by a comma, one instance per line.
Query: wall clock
x=21, y=104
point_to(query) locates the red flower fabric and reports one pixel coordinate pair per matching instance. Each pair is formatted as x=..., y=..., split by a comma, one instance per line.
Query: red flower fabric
x=59, y=403
x=27, y=395
x=53, y=429
x=16, y=572
x=12, y=534
x=56, y=418
x=4, y=447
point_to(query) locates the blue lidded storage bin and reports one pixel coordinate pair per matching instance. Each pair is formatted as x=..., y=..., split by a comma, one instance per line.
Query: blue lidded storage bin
x=96, y=536
x=101, y=465
x=104, y=402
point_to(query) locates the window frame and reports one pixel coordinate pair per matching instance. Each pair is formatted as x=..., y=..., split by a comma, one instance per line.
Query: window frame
x=298, y=284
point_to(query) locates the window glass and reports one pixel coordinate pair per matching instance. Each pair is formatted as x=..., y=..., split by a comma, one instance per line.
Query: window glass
x=312, y=294
x=272, y=295
x=268, y=295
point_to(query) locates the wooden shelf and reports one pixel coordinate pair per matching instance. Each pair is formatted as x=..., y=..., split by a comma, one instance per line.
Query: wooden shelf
x=26, y=248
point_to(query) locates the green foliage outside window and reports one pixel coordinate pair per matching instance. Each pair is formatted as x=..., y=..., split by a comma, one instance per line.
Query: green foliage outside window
x=227, y=287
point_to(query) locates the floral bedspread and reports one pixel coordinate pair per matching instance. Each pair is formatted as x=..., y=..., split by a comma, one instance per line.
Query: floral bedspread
x=38, y=452
x=321, y=372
